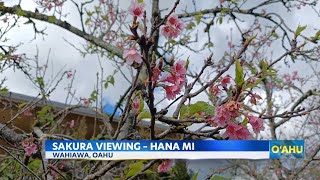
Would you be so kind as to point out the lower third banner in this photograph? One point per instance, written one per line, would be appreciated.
(172, 149)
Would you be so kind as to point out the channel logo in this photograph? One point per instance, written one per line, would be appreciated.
(280, 148)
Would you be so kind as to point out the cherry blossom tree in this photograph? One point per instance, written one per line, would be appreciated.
(182, 75)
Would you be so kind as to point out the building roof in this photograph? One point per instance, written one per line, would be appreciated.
(83, 111)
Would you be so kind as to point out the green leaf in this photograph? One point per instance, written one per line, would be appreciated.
(4, 90)
(245, 121)
(184, 111)
(141, 107)
(45, 114)
(149, 171)
(51, 19)
(251, 67)
(299, 30)
(93, 95)
(209, 44)
(89, 13)
(219, 178)
(275, 35)
(198, 18)
(22, 105)
(187, 62)
(235, 1)
(87, 21)
(248, 41)
(220, 20)
(316, 37)
(195, 176)
(135, 168)
(252, 85)
(199, 106)
(239, 74)
(20, 12)
(190, 26)
(264, 66)
(40, 81)
(145, 114)
(35, 165)
(106, 84)
(140, 1)
(111, 80)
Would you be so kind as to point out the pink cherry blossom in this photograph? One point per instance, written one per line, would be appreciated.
(254, 98)
(166, 165)
(28, 113)
(132, 55)
(175, 80)
(225, 81)
(136, 8)
(70, 124)
(237, 131)
(69, 74)
(295, 76)
(222, 116)
(136, 104)
(156, 74)
(172, 20)
(173, 27)
(29, 147)
(49, 4)
(172, 91)
(256, 123)
(170, 32)
(233, 107)
(214, 90)
(5, 19)
(287, 78)
(86, 101)
(179, 69)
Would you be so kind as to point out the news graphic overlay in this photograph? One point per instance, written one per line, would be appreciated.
(294, 148)
(172, 149)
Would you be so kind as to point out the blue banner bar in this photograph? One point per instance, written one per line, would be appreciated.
(163, 145)
(193, 149)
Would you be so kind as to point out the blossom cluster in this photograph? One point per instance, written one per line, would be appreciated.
(175, 80)
(225, 113)
(166, 165)
(214, 89)
(290, 78)
(136, 104)
(136, 9)
(49, 4)
(132, 56)
(173, 27)
(29, 146)
(225, 117)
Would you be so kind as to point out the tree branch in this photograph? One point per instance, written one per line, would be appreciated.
(63, 24)
(9, 135)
